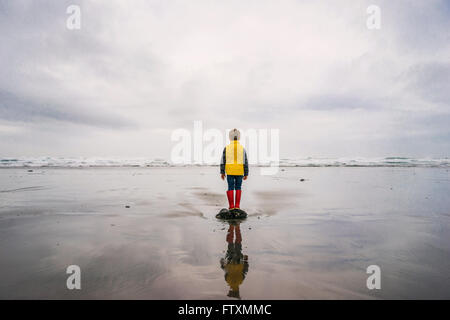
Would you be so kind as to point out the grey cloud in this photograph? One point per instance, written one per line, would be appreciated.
(340, 101)
(431, 81)
(420, 27)
(14, 108)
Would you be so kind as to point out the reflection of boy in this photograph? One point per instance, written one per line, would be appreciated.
(235, 264)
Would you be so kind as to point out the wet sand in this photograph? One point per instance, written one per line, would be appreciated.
(302, 240)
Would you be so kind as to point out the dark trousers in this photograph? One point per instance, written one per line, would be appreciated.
(234, 182)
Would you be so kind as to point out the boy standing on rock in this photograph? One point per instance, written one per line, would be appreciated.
(234, 164)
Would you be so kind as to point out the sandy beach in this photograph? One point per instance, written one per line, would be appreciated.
(151, 233)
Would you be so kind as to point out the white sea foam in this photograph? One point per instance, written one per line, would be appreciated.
(146, 162)
(81, 162)
(366, 162)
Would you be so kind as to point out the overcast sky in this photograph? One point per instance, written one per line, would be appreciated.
(137, 70)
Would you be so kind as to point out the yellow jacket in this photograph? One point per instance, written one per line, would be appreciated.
(234, 275)
(234, 160)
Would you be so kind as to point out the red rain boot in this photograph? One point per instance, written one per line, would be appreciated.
(238, 199)
(230, 199)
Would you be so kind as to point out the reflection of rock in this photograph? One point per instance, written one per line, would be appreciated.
(231, 214)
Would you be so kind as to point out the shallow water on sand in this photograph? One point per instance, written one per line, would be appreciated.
(302, 239)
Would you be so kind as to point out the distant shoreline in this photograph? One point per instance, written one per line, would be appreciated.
(446, 166)
(309, 162)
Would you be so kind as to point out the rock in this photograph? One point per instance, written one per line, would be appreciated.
(127, 207)
(302, 179)
(30, 170)
(231, 214)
